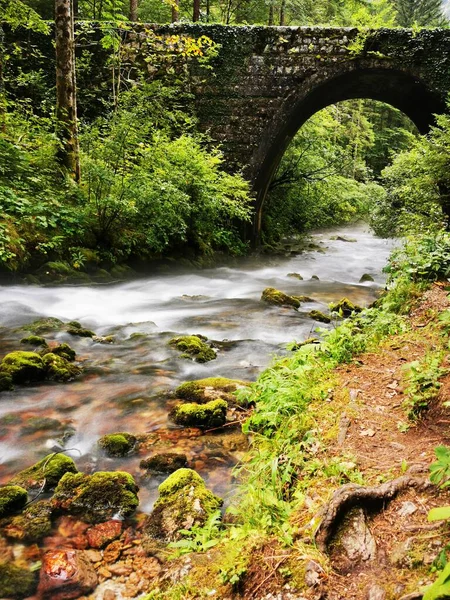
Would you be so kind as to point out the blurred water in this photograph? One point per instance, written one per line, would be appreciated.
(126, 386)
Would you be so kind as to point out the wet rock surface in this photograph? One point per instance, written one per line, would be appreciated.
(66, 574)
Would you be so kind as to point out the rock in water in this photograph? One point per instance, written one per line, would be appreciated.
(97, 498)
(66, 574)
(12, 498)
(205, 416)
(46, 472)
(184, 501)
(274, 296)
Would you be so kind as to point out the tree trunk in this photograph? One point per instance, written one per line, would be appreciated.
(282, 12)
(133, 10)
(2, 83)
(66, 101)
(208, 10)
(270, 22)
(196, 15)
(175, 11)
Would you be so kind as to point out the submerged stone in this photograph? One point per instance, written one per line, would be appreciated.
(194, 346)
(274, 296)
(168, 462)
(44, 325)
(205, 416)
(12, 499)
(317, 315)
(75, 328)
(98, 497)
(47, 471)
(34, 340)
(117, 444)
(66, 574)
(33, 524)
(23, 367)
(211, 388)
(366, 277)
(295, 276)
(184, 502)
(103, 533)
(15, 581)
(345, 307)
(34, 424)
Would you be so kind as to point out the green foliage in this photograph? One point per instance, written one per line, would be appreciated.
(422, 258)
(422, 13)
(199, 538)
(422, 378)
(440, 470)
(326, 175)
(441, 587)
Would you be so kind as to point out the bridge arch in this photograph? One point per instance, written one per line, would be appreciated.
(400, 89)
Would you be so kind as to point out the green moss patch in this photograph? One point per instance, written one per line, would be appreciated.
(44, 325)
(206, 416)
(32, 525)
(211, 388)
(23, 367)
(50, 469)
(15, 581)
(34, 340)
(98, 497)
(345, 307)
(194, 346)
(117, 444)
(184, 502)
(317, 315)
(12, 499)
(65, 351)
(58, 368)
(167, 462)
(274, 296)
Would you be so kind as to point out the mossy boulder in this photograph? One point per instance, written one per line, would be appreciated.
(32, 525)
(96, 498)
(317, 315)
(50, 469)
(44, 325)
(211, 388)
(274, 296)
(365, 278)
(295, 276)
(65, 351)
(184, 502)
(12, 499)
(345, 307)
(15, 581)
(76, 329)
(117, 444)
(58, 368)
(61, 272)
(167, 462)
(6, 382)
(205, 416)
(34, 340)
(194, 346)
(23, 367)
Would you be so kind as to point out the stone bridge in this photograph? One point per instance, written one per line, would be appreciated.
(267, 81)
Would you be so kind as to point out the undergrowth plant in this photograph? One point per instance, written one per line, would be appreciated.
(422, 378)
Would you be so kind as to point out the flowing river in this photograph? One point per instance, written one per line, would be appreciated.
(128, 385)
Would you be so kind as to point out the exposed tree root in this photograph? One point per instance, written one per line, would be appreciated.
(351, 494)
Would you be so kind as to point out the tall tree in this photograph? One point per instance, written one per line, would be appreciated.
(66, 101)
(133, 10)
(175, 10)
(196, 13)
(426, 13)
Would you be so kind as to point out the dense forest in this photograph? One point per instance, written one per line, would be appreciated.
(340, 464)
(134, 154)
